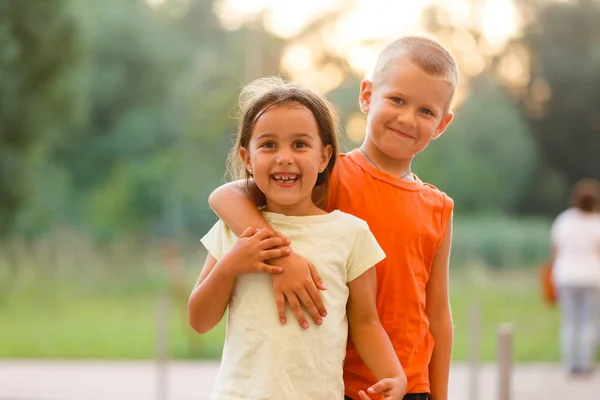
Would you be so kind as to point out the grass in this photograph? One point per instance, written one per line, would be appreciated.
(504, 297)
(97, 327)
(119, 321)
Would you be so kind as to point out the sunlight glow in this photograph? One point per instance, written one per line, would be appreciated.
(155, 3)
(285, 18)
(298, 57)
(499, 19)
(356, 127)
(363, 27)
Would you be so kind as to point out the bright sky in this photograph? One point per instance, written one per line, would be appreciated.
(368, 20)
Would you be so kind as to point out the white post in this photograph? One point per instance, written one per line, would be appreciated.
(505, 339)
(474, 333)
(162, 346)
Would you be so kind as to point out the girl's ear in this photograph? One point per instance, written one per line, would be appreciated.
(326, 157)
(245, 156)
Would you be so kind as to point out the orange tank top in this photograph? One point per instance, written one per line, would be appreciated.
(409, 220)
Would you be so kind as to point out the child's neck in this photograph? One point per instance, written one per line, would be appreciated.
(303, 209)
(391, 166)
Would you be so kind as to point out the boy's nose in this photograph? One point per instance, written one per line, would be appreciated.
(408, 118)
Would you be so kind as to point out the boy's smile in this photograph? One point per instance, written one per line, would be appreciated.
(401, 134)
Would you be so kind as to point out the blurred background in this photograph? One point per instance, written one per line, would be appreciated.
(116, 117)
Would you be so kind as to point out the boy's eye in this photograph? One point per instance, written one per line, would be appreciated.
(426, 111)
(397, 100)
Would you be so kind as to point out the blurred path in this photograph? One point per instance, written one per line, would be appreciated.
(136, 380)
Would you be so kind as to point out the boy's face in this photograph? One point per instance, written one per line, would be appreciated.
(406, 110)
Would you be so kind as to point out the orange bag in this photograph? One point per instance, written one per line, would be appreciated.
(548, 290)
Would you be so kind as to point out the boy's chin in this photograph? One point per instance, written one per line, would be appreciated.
(400, 151)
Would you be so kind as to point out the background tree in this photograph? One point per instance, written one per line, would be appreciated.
(561, 41)
(41, 52)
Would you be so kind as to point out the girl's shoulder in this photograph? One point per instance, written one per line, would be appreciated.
(349, 221)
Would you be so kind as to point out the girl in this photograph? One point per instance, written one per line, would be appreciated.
(287, 143)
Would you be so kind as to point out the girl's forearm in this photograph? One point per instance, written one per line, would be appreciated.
(375, 349)
(237, 207)
(210, 299)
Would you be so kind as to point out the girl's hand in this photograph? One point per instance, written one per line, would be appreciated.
(389, 388)
(252, 249)
(299, 285)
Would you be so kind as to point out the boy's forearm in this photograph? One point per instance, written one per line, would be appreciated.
(236, 207)
(210, 299)
(439, 367)
(375, 349)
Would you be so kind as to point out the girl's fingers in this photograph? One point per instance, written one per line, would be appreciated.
(263, 234)
(248, 232)
(297, 309)
(273, 242)
(310, 305)
(275, 253)
(280, 304)
(315, 296)
(271, 269)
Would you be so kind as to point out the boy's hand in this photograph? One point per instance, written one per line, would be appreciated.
(388, 388)
(253, 248)
(298, 284)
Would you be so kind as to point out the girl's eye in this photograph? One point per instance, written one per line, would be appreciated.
(268, 145)
(397, 100)
(299, 145)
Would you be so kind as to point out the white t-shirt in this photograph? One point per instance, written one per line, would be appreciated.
(576, 236)
(264, 360)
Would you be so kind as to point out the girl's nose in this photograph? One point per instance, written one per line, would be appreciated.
(284, 157)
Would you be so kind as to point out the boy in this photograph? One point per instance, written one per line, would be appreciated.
(407, 105)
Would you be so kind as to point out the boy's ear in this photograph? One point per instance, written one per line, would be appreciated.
(441, 128)
(366, 93)
(245, 156)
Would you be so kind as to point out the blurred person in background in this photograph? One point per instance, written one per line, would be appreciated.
(576, 275)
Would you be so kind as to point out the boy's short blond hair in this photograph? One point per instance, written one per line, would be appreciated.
(427, 54)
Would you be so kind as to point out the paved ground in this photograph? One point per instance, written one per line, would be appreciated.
(115, 380)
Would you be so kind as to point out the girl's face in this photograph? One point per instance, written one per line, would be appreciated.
(285, 156)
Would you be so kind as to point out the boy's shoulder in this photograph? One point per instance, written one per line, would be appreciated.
(355, 182)
(434, 189)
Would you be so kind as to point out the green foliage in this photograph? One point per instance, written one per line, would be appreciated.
(500, 242)
(563, 41)
(155, 92)
(41, 51)
(560, 101)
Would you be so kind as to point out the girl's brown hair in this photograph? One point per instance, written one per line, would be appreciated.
(262, 94)
(586, 195)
